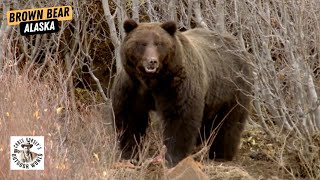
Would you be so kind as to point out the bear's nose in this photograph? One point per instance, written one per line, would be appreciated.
(152, 61)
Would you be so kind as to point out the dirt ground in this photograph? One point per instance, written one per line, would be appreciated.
(253, 161)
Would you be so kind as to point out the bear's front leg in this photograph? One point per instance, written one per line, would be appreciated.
(131, 106)
(182, 122)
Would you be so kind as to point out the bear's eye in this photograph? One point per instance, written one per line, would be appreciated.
(158, 44)
(141, 44)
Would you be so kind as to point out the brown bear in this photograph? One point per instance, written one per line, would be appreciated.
(198, 81)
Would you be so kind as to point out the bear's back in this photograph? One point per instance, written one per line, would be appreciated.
(223, 59)
(219, 52)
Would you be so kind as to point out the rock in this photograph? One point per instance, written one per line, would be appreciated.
(187, 169)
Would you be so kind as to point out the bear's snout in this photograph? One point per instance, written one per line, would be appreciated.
(151, 65)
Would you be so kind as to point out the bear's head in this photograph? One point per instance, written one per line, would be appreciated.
(148, 47)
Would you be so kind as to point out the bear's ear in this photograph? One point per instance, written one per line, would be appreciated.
(170, 27)
(129, 25)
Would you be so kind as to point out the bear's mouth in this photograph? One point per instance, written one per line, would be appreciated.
(150, 69)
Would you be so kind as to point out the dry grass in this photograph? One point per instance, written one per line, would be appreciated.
(79, 143)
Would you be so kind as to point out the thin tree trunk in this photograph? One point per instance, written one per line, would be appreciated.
(313, 98)
(3, 31)
(172, 10)
(198, 14)
(113, 33)
(135, 10)
(220, 18)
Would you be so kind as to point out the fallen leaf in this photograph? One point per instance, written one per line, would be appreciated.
(36, 114)
(96, 156)
(59, 110)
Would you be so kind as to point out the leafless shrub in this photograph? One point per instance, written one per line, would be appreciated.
(77, 143)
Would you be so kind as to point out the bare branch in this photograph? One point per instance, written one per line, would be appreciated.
(172, 10)
(198, 15)
(190, 5)
(113, 33)
(135, 10)
(220, 15)
(313, 98)
(3, 31)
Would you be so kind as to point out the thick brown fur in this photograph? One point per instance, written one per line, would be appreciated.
(203, 80)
